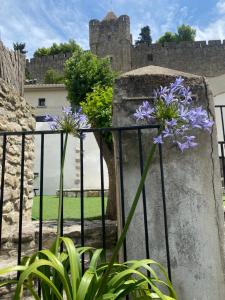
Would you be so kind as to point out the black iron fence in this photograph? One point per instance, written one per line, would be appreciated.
(220, 110)
(118, 133)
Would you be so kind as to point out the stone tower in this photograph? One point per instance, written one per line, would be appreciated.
(111, 37)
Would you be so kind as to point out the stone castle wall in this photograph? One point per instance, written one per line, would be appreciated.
(12, 67)
(109, 37)
(192, 57)
(112, 38)
(38, 66)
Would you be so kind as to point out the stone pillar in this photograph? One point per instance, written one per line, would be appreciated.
(192, 187)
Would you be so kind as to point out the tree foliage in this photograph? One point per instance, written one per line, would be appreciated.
(70, 46)
(167, 37)
(83, 71)
(52, 76)
(20, 47)
(98, 106)
(184, 33)
(144, 36)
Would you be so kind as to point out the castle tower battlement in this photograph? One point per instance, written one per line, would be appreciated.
(111, 37)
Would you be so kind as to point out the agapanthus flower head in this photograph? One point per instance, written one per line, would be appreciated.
(70, 122)
(172, 109)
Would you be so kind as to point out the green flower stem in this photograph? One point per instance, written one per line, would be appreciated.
(61, 194)
(130, 216)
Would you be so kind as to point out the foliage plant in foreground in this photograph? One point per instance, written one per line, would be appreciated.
(61, 272)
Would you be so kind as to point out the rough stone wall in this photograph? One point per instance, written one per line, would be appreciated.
(38, 66)
(15, 115)
(12, 67)
(192, 57)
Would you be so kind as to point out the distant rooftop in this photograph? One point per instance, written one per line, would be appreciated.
(110, 16)
(43, 86)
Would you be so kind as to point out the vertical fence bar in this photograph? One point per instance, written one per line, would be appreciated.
(165, 213)
(41, 202)
(122, 188)
(102, 192)
(21, 199)
(2, 184)
(223, 162)
(143, 195)
(221, 113)
(41, 192)
(62, 211)
(82, 192)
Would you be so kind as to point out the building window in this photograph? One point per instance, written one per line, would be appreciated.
(109, 37)
(111, 59)
(150, 57)
(41, 102)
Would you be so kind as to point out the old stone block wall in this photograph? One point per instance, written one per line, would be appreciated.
(38, 66)
(108, 39)
(15, 115)
(112, 38)
(192, 57)
(12, 68)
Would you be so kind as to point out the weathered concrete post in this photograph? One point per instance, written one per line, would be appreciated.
(192, 186)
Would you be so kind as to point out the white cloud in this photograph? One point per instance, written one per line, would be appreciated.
(215, 29)
(41, 23)
(220, 5)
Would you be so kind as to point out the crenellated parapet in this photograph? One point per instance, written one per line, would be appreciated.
(112, 37)
(38, 66)
(198, 57)
(185, 44)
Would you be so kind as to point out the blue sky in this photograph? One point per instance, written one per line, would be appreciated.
(39, 23)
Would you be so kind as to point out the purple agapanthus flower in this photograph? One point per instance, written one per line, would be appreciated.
(172, 109)
(69, 122)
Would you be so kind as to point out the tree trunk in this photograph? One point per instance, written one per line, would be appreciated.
(108, 155)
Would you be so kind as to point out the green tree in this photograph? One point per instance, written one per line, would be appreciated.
(167, 37)
(42, 52)
(144, 36)
(70, 46)
(186, 33)
(83, 71)
(52, 76)
(20, 47)
(89, 82)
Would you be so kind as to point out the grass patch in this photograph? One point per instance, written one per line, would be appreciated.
(92, 208)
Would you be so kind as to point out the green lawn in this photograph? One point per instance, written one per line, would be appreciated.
(92, 207)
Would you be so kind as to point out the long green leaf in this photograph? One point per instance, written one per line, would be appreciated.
(33, 269)
(75, 267)
(85, 285)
